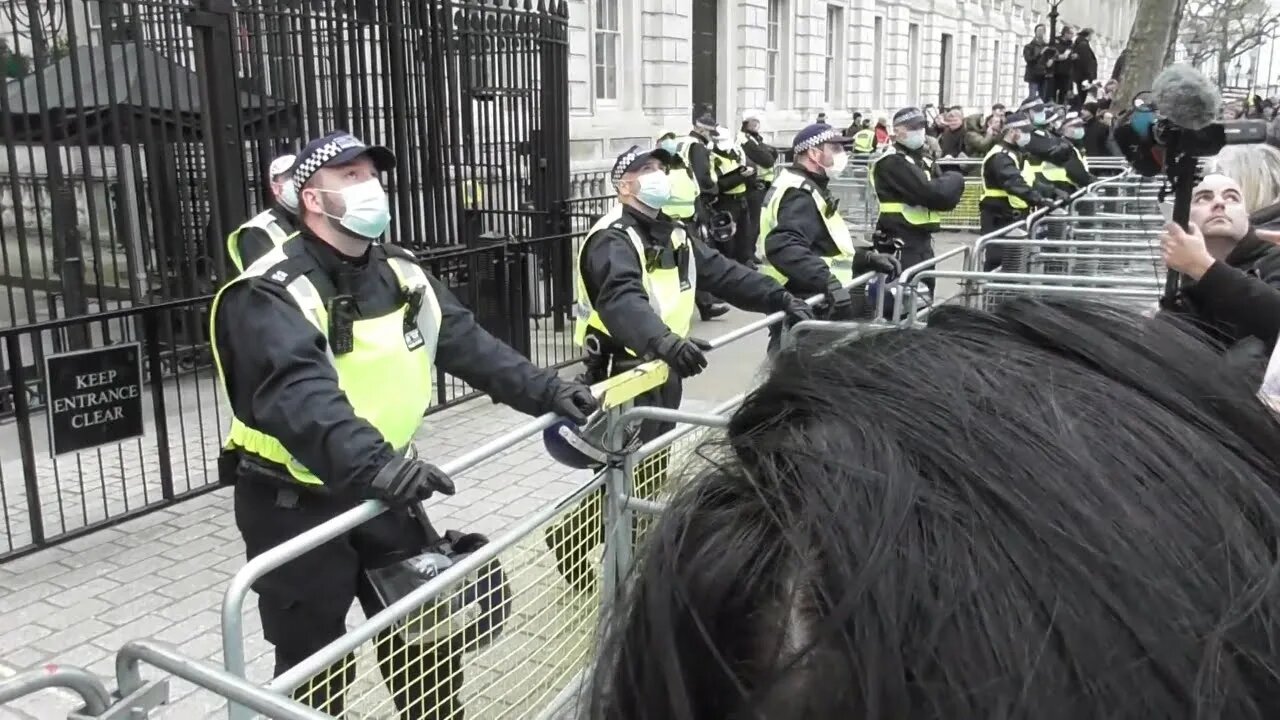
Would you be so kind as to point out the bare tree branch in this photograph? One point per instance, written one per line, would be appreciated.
(1226, 29)
(48, 22)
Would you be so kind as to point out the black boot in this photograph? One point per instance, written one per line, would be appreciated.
(712, 310)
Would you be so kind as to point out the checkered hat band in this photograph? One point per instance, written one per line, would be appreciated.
(823, 137)
(315, 161)
(624, 162)
(1014, 125)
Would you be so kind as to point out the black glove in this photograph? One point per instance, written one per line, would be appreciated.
(839, 304)
(573, 401)
(1037, 200)
(1062, 195)
(684, 355)
(882, 243)
(865, 259)
(403, 481)
(797, 310)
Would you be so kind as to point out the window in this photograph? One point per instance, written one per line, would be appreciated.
(973, 71)
(945, 65)
(607, 40)
(996, 96)
(913, 64)
(877, 63)
(773, 52)
(835, 43)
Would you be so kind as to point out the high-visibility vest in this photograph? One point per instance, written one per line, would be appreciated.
(725, 164)
(1014, 201)
(913, 214)
(765, 174)
(671, 290)
(841, 263)
(265, 221)
(1057, 174)
(864, 141)
(386, 378)
(684, 193)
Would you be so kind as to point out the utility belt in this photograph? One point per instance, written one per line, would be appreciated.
(605, 358)
(233, 463)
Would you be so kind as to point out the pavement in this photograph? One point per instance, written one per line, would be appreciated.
(162, 576)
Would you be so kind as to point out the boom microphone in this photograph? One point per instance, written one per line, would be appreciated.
(1185, 97)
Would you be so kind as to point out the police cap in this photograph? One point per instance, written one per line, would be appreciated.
(1017, 121)
(910, 117)
(634, 159)
(811, 136)
(1032, 104)
(336, 149)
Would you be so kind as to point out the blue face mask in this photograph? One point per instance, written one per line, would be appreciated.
(654, 190)
(1075, 133)
(1024, 139)
(669, 145)
(1039, 118)
(367, 212)
(914, 140)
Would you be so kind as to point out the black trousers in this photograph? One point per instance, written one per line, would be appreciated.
(916, 250)
(755, 205)
(573, 538)
(304, 603)
(993, 219)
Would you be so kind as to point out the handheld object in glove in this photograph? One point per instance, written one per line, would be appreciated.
(685, 355)
(574, 401)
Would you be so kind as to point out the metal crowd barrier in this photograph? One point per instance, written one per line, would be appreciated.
(860, 208)
(566, 561)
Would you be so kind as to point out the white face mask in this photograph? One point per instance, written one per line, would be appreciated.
(367, 213)
(654, 189)
(289, 196)
(839, 161)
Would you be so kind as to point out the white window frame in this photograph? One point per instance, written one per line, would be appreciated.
(913, 64)
(775, 50)
(836, 75)
(995, 76)
(975, 51)
(877, 62)
(613, 34)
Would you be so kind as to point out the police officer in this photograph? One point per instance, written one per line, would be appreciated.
(764, 158)
(912, 192)
(636, 276)
(1006, 195)
(804, 241)
(1042, 146)
(864, 140)
(327, 347)
(1074, 173)
(683, 204)
(271, 227)
(734, 177)
(695, 152)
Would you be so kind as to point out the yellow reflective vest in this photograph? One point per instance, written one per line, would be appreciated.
(671, 290)
(913, 214)
(386, 377)
(765, 174)
(684, 193)
(864, 141)
(841, 263)
(1057, 174)
(1014, 201)
(725, 163)
(265, 221)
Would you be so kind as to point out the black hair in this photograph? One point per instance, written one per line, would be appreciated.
(1051, 511)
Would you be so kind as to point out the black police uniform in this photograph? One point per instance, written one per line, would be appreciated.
(908, 176)
(255, 242)
(704, 175)
(613, 278)
(1002, 171)
(280, 381)
(764, 157)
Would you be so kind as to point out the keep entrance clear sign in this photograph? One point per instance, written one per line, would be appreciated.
(94, 397)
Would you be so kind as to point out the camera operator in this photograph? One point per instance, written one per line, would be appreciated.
(1234, 289)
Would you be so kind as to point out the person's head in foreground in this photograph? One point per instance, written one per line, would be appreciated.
(1219, 211)
(340, 194)
(1049, 512)
(1255, 168)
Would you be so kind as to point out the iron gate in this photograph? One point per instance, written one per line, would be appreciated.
(137, 134)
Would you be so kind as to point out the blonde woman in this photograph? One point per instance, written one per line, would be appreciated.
(1255, 167)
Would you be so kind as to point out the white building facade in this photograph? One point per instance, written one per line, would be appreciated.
(637, 67)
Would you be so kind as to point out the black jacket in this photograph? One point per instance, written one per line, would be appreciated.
(1085, 66)
(1239, 297)
(796, 246)
(1001, 171)
(1063, 67)
(614, 280)
(1076, 171)
(703, 174)
(280, 381)
(1098, 141)
(901, 176)
(758, 152)
(1034, 58)
(255, 242)
(1268, 218)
